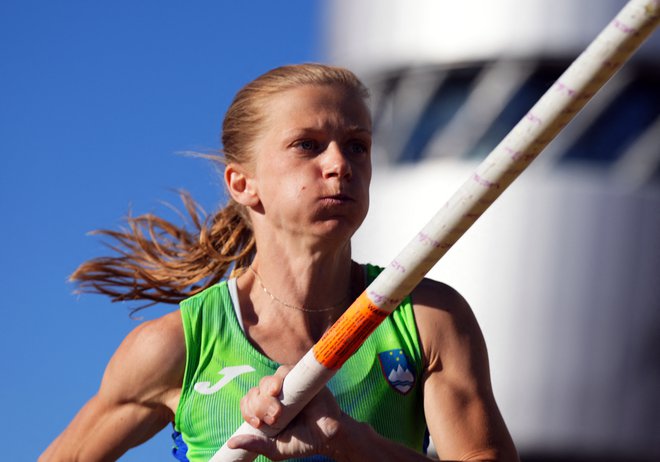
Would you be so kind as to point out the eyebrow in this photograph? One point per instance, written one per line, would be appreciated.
(302, 130)
(359, 129)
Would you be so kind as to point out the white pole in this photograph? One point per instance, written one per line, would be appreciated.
(576, 86)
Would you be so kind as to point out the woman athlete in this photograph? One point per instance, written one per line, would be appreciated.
(296, 145)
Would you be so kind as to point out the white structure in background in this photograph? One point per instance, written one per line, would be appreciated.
(563, 272)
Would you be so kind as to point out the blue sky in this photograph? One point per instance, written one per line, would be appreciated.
(97, 101)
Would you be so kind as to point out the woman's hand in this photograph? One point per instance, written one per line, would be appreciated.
(311, 432)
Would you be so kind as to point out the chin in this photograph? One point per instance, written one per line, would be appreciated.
(340, 231)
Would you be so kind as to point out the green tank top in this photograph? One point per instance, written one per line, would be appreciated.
(379, 384)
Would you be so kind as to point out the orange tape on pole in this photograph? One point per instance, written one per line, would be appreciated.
(348, 332)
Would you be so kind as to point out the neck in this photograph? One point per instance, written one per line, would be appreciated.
(301, 271)
(315, 282)
(305, 309)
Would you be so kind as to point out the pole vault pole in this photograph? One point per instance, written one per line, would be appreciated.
(576, 86)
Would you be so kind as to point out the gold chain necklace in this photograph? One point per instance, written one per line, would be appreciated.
(299, 308)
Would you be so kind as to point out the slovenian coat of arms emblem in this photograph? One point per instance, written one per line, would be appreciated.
(397, 370)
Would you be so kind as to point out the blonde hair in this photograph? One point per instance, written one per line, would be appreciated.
(159, 262)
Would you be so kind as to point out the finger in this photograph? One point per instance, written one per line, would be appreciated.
(247, 408)
(258, 407)
(271, 385)
(324, 411)
(257, 444)
(282, 371)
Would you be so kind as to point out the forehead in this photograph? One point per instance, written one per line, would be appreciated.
(328, 106)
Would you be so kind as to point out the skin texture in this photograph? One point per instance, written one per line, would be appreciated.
(306, 188)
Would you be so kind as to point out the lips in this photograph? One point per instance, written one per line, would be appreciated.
(341, 197)
(337, 199)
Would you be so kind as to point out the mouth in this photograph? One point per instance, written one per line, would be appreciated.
(337, 199)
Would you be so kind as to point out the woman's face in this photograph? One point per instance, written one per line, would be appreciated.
(311, 165)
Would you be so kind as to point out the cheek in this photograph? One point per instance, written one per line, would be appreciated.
(365, 176)
(298, 183)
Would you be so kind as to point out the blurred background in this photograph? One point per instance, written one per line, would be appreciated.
(563, 272)
(99, 103)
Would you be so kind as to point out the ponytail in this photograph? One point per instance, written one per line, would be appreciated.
(159, 262)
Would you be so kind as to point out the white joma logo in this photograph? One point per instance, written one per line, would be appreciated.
(228, 373)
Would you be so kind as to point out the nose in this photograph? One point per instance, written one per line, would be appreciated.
(335, 163)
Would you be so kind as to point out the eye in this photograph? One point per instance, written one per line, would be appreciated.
(307, 145)
(358, 147)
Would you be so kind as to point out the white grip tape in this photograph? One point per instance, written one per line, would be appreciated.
(577, 85)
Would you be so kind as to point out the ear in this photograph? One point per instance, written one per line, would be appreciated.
(240, 185)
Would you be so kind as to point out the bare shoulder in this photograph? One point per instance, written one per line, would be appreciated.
(437, 302)
(160, 337)
(445, 322)
(148, 366)
(438, 295)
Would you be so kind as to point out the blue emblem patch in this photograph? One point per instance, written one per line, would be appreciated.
(397, 370)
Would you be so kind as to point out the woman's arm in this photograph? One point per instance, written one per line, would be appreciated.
(136, 399)
(461, 413)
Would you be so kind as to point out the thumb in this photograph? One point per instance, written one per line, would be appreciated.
(258, 444)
